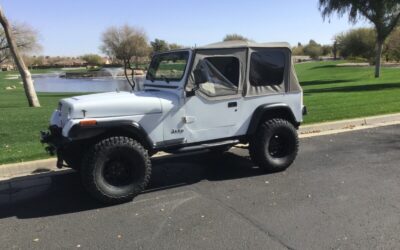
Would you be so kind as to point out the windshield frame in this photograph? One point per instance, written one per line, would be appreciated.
(151, 78)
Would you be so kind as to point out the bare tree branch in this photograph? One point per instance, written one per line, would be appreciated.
(125, 43)
(23, 70)
(26, 39)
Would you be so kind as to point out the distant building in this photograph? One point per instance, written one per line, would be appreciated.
(7, 67)
(70, 63)
(106, 60)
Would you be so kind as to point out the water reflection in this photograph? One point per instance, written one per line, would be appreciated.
(54, 83)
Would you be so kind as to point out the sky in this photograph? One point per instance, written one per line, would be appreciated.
(73, 28)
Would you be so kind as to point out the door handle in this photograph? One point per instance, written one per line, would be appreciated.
(232, 104)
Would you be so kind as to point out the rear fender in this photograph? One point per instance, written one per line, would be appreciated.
(269, 111)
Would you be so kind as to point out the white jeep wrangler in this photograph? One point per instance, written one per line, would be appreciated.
(211, 97)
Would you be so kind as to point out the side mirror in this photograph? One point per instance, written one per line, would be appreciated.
(200, 76)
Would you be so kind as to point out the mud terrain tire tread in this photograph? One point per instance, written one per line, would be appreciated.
(93, 161)
(259, 144)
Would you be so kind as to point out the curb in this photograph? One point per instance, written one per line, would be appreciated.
(9, 171)
(366, 122)
(13, 170)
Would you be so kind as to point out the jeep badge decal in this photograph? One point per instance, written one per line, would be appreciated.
(176, 131)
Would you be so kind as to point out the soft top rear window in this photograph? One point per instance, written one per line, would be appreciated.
(267, 68)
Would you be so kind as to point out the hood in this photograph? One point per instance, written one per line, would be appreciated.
(111, 104)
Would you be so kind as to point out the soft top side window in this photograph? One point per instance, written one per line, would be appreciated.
(267, 68)
(218, 76)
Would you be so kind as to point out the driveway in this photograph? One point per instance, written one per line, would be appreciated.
(343, 192)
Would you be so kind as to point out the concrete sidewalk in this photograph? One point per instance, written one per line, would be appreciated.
(9, 171)
(348, 125)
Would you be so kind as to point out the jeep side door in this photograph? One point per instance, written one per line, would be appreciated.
(213, 109)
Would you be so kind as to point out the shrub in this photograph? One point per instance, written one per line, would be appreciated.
(357, 43)
(313, 49)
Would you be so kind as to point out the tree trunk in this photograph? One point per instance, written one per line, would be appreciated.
(378, 59)
(133, 83)
(25, 74)
(126, 72)
(335, 51)
(127, 66)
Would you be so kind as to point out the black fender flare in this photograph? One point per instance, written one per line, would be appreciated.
(262, 110)
(132, 128)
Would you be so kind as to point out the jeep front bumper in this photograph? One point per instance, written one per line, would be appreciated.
(55, 142)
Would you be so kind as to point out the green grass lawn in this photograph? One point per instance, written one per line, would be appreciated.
(330, 93)
(19, 124)
(334, 93)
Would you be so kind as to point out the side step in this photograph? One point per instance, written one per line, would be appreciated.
(205, 146)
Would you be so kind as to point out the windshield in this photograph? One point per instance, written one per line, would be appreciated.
(168, 66)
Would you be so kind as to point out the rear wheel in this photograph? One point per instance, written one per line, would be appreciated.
(116, 169)
(275, 145)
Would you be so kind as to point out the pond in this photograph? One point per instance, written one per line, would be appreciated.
(53, 83)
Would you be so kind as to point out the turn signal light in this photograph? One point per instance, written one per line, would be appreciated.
(88, 122)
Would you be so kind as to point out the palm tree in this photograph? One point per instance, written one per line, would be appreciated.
(384, 14)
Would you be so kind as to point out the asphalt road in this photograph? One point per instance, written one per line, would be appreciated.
(341, 193)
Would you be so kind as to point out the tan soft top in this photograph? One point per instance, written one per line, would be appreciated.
(242, 50)
(245, 44)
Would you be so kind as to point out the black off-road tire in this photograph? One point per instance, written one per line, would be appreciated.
(73, 163)
(275, 145)
(73, 156)
(116, 170)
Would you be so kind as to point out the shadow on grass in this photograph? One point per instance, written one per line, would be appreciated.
(57, 193)
(360, 88)
(325, 66)
(321, 82)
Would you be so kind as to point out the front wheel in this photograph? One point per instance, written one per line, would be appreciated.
(275, 145)
(72, 155)
(116, 169)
